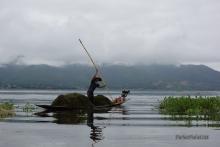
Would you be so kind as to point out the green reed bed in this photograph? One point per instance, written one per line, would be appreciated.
(6, 110)
(202, 107)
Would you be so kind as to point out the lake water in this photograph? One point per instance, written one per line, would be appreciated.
(137, 123)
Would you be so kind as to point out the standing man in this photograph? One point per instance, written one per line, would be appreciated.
(95, 82)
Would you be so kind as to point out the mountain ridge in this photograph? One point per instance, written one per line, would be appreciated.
(77, 76)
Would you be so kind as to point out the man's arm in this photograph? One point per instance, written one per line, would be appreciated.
(101, 84)
(96, 74)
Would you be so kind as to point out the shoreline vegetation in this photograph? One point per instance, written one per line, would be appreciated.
(191, 108)
(6, 110)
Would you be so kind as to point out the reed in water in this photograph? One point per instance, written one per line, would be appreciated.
(6, 110)
(204, 107)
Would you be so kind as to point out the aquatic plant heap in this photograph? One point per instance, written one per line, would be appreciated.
(6, 110)
(76, 100)
(190, 105)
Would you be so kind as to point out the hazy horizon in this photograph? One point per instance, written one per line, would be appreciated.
(18, 61)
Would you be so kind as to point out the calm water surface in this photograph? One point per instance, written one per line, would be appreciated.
(135, 123)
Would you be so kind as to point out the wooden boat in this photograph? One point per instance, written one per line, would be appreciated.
(64, 108)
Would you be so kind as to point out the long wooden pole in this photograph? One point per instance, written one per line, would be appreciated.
(96, 68)
(90, 57)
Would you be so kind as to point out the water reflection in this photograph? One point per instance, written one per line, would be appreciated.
(80, 117)
(96, 133)
(70, 117)
(208, 120)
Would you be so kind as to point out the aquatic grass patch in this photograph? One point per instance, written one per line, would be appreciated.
(185, 106)
(29, 107)
(7, 106)
(6, 110)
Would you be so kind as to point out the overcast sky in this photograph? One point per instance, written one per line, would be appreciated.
(114, 31)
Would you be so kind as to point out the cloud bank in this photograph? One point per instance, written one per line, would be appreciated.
(116, 31)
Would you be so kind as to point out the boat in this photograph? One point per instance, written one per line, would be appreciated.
(116, 102)
(64, 108)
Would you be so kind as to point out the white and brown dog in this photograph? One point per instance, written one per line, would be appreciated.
(121, 99)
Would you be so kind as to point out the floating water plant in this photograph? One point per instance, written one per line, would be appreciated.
(207, 108)
(6, 110)
(29, 107)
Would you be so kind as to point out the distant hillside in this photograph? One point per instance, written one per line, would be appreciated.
(156, 77)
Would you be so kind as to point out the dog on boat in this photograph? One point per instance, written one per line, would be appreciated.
(121, 99)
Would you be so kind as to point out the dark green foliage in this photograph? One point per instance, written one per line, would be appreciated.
(201, 107)
(101, 100)
(76, 100)
(72, 100)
